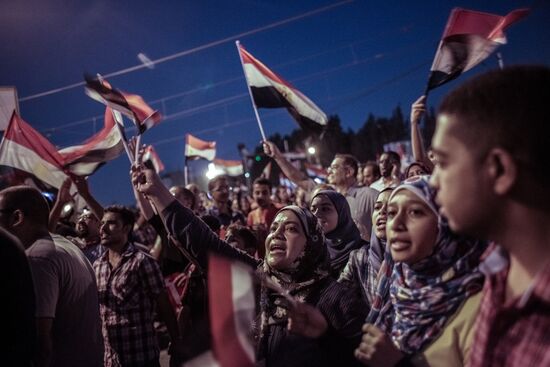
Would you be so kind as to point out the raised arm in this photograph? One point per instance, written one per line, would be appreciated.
(63, 197)
(143, 204)
(191, 232)
(418, 109)
(293, 173)
(84, 191)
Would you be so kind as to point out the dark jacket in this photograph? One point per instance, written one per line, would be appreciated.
(343, 310)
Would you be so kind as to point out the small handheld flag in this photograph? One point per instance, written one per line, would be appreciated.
(131, 105)
(469, 38)
(269, 90)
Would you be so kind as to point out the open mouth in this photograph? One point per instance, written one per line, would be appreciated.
(399, 245)
(277, 248)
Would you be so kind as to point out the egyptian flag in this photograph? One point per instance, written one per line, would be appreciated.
(271, 91)
(128, 104)
(196, 148)
(26, 157)
(469, 38)
(229, 167)
(314, 170)
(152, 156)
(232, 311)
(106, 145)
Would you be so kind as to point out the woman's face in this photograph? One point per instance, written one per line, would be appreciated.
(326, 213)
(282, 194)
(416, 170)
(286, 241)
(411, 228)
(379, 214)
(245, 204)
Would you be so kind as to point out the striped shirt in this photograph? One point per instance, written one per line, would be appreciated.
(360, 274)
(127, 297)
(515, 333)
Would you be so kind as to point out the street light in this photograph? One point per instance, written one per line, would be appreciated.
(311, 150)
(213, 171)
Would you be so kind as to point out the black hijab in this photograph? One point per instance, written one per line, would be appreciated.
(345, 237)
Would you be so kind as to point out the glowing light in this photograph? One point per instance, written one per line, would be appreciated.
(213, 171)
(311, 150)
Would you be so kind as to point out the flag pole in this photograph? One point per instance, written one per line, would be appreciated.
(250, 93)
(120, 126)
(500, 61)
(138, 143)
(185, 172)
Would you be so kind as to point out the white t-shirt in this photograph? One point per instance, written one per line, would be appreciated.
(379, 185)
(66, 291)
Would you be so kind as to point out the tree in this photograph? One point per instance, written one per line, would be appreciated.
(365, 144)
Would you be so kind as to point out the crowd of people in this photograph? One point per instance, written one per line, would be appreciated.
(443, 263)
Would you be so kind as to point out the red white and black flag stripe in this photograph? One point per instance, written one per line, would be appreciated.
(269, 90)
(469, 38)
(86, 158)
(229, 167)
(314, 170)
(29, 158)
(152, 156)
(232, 310)
(196, 148)
(128, 104)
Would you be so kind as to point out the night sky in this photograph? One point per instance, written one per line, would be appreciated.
(351, 58)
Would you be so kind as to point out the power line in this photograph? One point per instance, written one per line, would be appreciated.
(216, 128)
(356, 96)
(195, 49)
(232, 99)
(348, 99)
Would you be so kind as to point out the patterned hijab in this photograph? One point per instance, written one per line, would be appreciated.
(413, 303)
(376, 257)
(377, 245)
(313, 267)
(346, 236)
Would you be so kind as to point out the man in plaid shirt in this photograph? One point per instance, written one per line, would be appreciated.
(130, 286)
(493, 182)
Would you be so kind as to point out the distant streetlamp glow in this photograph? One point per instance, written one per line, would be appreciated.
(311, 150)
(213, 171)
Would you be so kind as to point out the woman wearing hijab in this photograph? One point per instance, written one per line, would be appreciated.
(417, 169)
(428, 286)
(363, 264)
(342, 235)
(297, 260)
